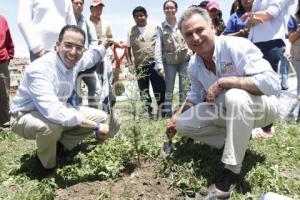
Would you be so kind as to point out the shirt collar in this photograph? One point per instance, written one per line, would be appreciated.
(81, 20)
(167, 24)
(217, 47)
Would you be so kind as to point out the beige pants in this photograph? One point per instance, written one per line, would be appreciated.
(34, 126)
(229, 122)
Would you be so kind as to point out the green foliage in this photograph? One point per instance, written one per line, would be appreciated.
(270, 164)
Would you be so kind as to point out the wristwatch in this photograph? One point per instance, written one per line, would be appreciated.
(97, 127)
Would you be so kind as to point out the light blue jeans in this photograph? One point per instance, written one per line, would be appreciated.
(284, 70)
(170, 76)
(296, 64)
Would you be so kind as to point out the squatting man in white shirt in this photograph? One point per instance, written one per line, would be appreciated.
(39, 110)
(233, 90)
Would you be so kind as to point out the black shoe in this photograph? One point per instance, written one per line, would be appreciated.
(40, 171)
(284, 88)
(61, 151)
(226, 181)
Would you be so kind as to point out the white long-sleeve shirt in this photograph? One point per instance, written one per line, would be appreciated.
(47, 84)
(233, 56)
(40, 21)
(272, 29)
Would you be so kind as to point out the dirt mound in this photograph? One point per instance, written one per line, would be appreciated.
(136, 183)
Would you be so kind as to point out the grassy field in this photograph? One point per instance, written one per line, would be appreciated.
(271, 164)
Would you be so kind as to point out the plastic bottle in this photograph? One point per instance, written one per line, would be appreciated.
(274, 196)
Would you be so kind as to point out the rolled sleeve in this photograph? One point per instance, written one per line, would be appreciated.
(247, 56)
(277, 6)
(267, 83)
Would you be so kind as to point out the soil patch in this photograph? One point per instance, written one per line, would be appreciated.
(136, 183)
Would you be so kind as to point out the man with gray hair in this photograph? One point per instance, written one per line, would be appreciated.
(233, 90)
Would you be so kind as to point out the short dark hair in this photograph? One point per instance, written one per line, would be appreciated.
(203, 4)
(73, 28)
(139, 9)
(174, 2)
(81, 0)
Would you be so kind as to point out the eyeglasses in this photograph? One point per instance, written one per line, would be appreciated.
(78, 48)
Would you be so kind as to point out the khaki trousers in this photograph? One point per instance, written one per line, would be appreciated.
(229, 122)
(4, 93)
(34, 126)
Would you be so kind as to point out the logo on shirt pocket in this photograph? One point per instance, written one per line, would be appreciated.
(228, 68)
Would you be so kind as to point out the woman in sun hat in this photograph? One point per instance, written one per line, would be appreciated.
(215, 14)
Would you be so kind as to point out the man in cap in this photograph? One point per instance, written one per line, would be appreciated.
(104, 69)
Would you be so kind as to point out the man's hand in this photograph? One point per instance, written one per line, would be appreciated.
(171, 128)
(161, 72)
(254, 21)
(40, 53)
(103, 132)
(251, 19)
(213, 92)
(109, 42)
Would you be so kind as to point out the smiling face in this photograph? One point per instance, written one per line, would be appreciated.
(199, 35)
(70, 49)
(170, 9)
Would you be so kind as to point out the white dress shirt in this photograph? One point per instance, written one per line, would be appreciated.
(272, 29)
(47, 84)
(233, 56)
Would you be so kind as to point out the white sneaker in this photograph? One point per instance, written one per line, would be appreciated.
(258, 133)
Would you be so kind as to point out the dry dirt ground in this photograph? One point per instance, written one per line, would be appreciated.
(137, 183)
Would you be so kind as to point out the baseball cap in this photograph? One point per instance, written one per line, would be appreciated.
(212, 5)
(96, 2)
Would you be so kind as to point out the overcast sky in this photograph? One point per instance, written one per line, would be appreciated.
(117, 12)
